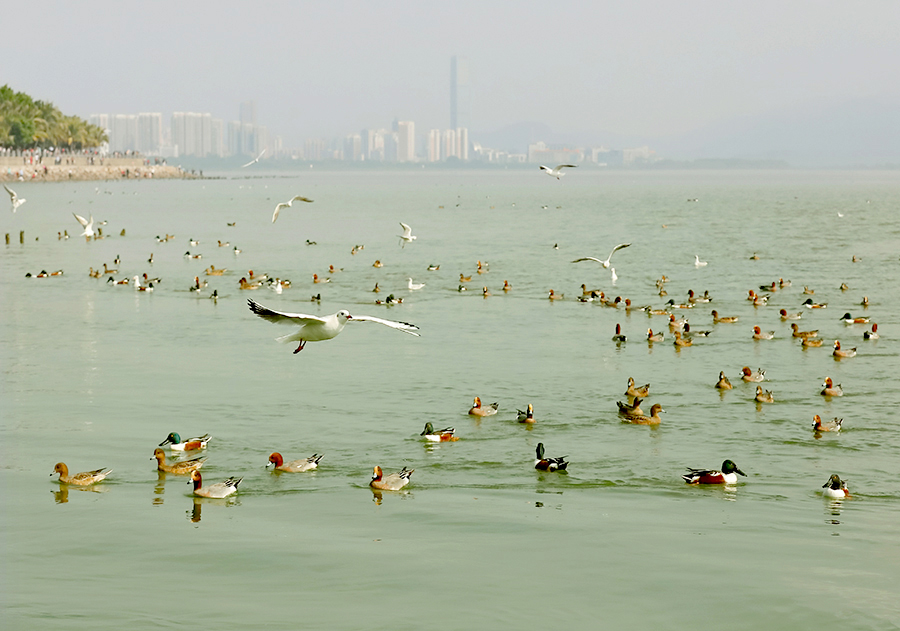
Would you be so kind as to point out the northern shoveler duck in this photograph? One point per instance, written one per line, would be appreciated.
(811, 341)
(833, 425)
(673, 305)
(632, 391)
(836, 488)
(477, 410)
(618, 337)
(377, 263)
(689, 332)
(188, 255)
(843, 352)
(849, 319)
(749, 375)
(630, 410)
(392, 481)
(526, 415)
(654, 337)
(873, 334)
(464, 279)
(790, 316)
(79, 479)
(809, 304)
(555, 296)
(183, 467)
(294, 466)
(764, 396)
(441, 436)
(728, 475)
(771, 287)
(506, 285)
(217, 490)
(194, 243)
(548, 464)
(653, 419)
(759, 334)
(831, 390)
(802, 334)
(191, 444)
(717, 319)
(682, 341)
(723, 383)
(433, 268)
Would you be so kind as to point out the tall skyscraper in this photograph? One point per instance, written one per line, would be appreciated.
(460, 105)
(406, 141)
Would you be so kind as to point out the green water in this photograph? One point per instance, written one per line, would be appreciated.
(96, 375)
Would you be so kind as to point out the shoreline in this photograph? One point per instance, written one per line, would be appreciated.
(112, 170)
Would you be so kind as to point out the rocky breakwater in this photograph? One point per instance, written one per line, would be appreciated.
(13, 170)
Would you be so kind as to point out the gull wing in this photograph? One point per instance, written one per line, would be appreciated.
(81, 220)
(400, 326)
(588, 258)
(278, 210)
(407, 231)
(560, 166)
(281, 317)
(12, 193)
(301, 199)
(619, 247)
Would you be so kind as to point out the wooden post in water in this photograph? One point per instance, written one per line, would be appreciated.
(7, 238)
(21, 236)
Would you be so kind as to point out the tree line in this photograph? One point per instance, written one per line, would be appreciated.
(29, 124)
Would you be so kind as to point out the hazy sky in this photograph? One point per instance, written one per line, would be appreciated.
(636, 67)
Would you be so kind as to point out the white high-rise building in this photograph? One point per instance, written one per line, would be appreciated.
(462, 143)
(450, 144)
(434, 145)
(406, 141)
(149, 133)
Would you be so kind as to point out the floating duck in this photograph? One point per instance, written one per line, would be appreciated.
(392, 481)
(764, 396)
(632, 409)
(183, 467)
(811, 341)
(218, 490)
(548, 464)
(631, 391)
(833, 425)
(295, 466)
(790, 316)
(441, 436)
(653, 419)
(555, 296)
(654, 337)
(831, 390)
(723, 383)
(726, 319)
(839, 352)
(526, 415)
(618, 338)
(748, 375)
(728, 475)
(848, 319)
(802, 334)
(191, 444)
(477, 410)
(759, 334)
(680, 340)
(85, 478)
(809, 304)
(835, 488)
(873, 334)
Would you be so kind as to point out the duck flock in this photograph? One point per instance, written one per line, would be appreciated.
(668, 324)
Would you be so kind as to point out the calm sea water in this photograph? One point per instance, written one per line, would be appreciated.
(96, 375)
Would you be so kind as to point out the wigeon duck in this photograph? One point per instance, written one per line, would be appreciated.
(728, 475)
(376, 289)
(79, 479)
(632, 391)
(844, 287)
(662, 292)
(629, 307)
(147, 280)
(654, 337)
(191, 444)
(802, 334)
(392, 481)
(441, 436)
(855, 259)
(723, 383)
(835, 488)
(848, 319)
(224, 244)
(526, 415)
(771, 287)
(482, 267)
(212, 271)
(833, 425)
(294, 466)
(682, 341)
(717, 319)
(865, 302)
(751, 295)
(217, 490)
(839, 352)
(692, 298)
(790, 316)
(150, 260)
(759, 334)
(477, 410)
(676, 324)
(107, 270)
(760, 301)
(464, 279)
(377, 263)
(548, 464)
(618, 338)
(809, 304)
(334, 270)
(506, 285)
(316, 279)
(632, 410)
(94, 273)
(831, 390)
(811, 341)
(245, 284)
(749, 375)
(783, 283)
(653, 419)
(587, 292)
(183, 467)
(808, 291)
(873, 334)
(555, 296)
(657, 312)
(764, 396)
(484, 292)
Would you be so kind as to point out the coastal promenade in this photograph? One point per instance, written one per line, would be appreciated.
(17, 168)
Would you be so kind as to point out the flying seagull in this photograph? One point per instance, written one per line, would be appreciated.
(605, 263)
(557, 172)
(88, 226)
(317, 329)
(407, 236)
(15, 199)
(287, 204)
(254, 160)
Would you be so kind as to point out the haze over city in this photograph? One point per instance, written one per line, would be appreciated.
(808, 82)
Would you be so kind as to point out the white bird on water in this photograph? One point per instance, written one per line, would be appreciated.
(414, 286)
(15, 199)
(605, 263)
(698, 262)
(407, 236)
(88, 226)
(287, 204)
(558, 171)
(317, 329)
(254, 160)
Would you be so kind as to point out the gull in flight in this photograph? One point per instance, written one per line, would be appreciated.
(698, 262)
(88, 226)
(605, 263)
(407, 236)
(287, 204)
(254, 160)
(15, 199)
(557, 172)
(317, 329)
(414, 286)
